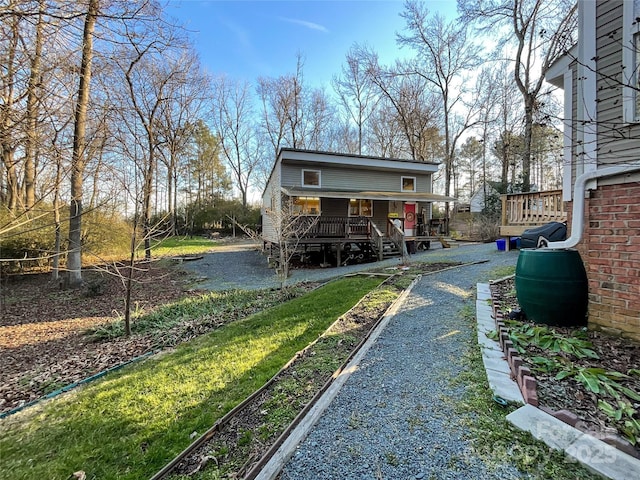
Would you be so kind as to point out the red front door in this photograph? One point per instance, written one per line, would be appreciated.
(409, 219)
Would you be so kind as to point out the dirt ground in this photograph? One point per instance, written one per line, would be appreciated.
(42, 345)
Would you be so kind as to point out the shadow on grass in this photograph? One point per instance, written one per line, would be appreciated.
(132, 423)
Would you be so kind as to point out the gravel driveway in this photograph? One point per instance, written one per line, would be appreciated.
(242, 265)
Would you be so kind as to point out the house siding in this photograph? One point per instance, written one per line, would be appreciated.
(616, 140)
(338, 207)
(272, 190)
(380, 212)
(342, 178)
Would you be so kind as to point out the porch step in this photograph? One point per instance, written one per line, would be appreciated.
(447, 242)
(389, 249)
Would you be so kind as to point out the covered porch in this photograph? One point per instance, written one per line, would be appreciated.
(371, 223)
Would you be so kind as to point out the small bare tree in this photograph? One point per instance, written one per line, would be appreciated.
(290, 228)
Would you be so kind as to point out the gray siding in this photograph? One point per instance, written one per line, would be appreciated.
(380, 211)
(342, 178)
(616, 141)
(272, 191)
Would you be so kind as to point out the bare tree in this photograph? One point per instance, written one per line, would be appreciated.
(446, 55)
(416, 111)
(320, 117)
(356, 93)
(78, 160)
(289, 228)
(385, 138)
(152, 62)
(32, 110)
(540, 31)
(13, 64)
(282, 109)
(177, 124)
(232, 117)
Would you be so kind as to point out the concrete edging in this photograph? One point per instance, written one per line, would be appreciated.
(273, 467)
(593, 453)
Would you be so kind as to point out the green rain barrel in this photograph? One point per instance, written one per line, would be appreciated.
(551, 286)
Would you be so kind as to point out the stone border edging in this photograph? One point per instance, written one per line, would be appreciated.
(606, 455)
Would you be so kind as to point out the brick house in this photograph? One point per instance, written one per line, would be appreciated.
(600, 79)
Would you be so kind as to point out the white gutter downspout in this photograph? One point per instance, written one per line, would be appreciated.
(577, 220)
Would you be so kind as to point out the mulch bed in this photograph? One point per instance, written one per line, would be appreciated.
(615, 354)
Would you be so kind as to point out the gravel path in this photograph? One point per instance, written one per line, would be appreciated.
(391, 419)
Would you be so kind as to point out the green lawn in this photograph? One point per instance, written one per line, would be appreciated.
(131, 423)
(171, 246)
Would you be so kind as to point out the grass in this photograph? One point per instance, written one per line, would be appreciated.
(175, 246)
(132, 423)
(501, 272)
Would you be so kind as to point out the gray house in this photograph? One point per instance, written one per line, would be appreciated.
(339, 204)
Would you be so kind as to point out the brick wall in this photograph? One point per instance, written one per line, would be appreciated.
(610, 249)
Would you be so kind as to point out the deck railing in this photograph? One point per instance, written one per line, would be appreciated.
(338, 227)
(521, 211)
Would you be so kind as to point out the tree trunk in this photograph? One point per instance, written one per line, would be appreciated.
(55, 269)
(13, 188)
(78, 160)
(32, 115)
(147, 191)
(528, 134)
(7, 140)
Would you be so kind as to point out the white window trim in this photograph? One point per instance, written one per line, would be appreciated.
(587, 108)
(629, 28)
(415, 184)
(567, 181)
(319, 172)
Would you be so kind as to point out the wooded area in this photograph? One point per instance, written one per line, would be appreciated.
(112, 131)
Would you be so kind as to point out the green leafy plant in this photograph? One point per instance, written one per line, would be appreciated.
(600, 381)
(523, 335)
(623, 414)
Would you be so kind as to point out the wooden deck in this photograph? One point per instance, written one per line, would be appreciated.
(338, 232)
(521, 211)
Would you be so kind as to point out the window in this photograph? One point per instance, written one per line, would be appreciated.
(311, 178)
(408, 184)
(306, 206)
(360, 208)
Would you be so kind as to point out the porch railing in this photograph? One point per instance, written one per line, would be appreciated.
(521, 211)
(397, 237)
(338, 227)
(378, 238)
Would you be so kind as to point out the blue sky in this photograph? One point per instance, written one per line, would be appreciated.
(251, 39)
